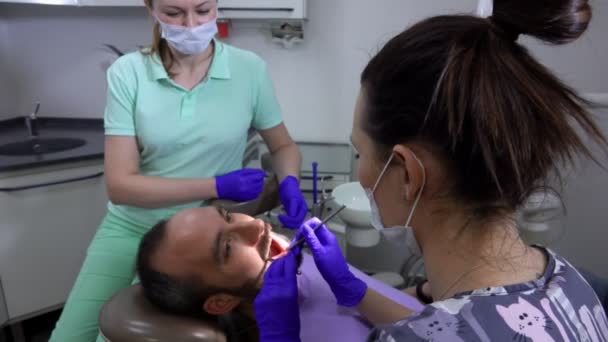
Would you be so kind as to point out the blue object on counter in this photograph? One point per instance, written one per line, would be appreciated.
(314, 182)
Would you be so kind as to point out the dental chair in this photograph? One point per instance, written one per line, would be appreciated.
(129, 317)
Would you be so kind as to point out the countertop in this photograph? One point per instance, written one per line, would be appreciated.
(91, 130)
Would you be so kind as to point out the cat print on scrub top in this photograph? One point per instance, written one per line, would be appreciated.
(525, 320)
(558, 306)
(439, 327)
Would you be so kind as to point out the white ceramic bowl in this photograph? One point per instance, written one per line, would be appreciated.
(357, 211)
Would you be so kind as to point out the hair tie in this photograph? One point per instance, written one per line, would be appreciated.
(509, 31)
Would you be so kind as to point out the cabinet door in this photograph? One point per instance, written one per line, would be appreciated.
(44, 234)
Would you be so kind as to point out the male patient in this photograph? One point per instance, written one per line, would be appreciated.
(206, 261)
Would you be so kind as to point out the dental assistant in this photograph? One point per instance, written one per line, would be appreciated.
(456, 124)
(176, 124)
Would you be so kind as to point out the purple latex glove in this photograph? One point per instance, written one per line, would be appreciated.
(276, 307)
(293, 201)
(240, 185)
(348, 289)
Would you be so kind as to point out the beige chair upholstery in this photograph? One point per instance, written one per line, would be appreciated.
(129, 317)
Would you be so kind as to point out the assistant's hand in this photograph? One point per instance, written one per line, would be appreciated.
(348, 289)
(293, 201)
(240, 185)
(276, 307)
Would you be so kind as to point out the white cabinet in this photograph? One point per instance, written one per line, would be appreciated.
(262, 9)
(98, 3)
(47, 219)
(228, 9)
(43, 2)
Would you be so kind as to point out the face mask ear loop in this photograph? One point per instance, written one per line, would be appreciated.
(382, 172)
(409, 218)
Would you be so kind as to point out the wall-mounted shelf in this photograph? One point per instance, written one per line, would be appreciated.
(600, 99)
(228, 9)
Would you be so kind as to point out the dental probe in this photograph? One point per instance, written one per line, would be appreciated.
(327, 219)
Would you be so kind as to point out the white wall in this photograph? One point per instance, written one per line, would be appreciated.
(585, 236)
(58, 57)
(584, 65)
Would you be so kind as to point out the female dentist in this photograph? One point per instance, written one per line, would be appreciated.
(456, 125)
(176, 122)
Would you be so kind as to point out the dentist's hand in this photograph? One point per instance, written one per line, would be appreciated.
(276, 306)
(240, 185)
(293, 201)
(348, 289)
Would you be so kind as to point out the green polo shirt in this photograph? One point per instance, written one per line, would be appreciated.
(181, 133)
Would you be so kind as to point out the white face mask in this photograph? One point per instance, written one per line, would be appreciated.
(189, 41)
(396, 233)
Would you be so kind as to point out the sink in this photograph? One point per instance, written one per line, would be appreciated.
(356, 215)
(37, 146)
(357, 211)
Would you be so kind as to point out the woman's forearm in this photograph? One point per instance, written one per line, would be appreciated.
(157, 192)
(286, 161)
(378, 309)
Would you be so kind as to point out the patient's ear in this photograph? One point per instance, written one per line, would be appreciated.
(221, 304)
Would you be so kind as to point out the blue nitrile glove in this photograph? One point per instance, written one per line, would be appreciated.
(348, 289)
(240, 185)
(293, 201)
(276, 307)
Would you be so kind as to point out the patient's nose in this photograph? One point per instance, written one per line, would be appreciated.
(250, 231)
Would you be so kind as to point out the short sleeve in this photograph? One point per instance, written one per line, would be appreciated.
(120, 103)
(267, 112)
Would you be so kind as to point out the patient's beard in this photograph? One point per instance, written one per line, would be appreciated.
(264, 244)
(248, 291)
(251, 288)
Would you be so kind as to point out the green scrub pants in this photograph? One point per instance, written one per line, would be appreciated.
(109, 266)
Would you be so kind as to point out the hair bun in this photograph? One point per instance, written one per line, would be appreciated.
(553, 21)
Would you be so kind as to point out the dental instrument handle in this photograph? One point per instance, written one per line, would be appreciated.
(315, 165)
(327, 219)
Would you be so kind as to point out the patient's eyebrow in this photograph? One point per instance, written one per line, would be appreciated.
(215, 249)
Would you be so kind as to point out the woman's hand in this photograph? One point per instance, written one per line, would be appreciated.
(240, 185)
(276, 307)
(293, 201)
(348, 289)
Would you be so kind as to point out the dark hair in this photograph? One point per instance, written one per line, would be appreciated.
(159, 45)
(463, 86)
(169, 293)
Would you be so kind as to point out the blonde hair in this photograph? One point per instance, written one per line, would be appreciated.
(160, 46)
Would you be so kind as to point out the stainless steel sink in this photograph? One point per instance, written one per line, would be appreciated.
(37, 146)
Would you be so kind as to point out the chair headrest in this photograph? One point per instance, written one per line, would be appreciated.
(129, 317)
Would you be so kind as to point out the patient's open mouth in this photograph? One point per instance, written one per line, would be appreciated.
(275, 249)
